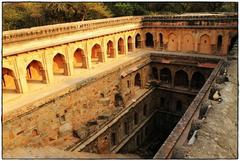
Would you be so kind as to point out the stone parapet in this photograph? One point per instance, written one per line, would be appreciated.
(42, 31)
(215, 20)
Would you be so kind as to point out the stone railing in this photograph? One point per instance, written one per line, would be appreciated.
(194, 16)
(180, 133)
(42, 31)
(215, 20)
(163, 20)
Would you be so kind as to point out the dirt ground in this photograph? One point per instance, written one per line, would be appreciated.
(54, 153)
(218, 136)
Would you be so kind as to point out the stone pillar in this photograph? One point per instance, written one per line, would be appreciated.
(125, 42)
(23, 82)
(155, 41)
(88, 54)
(173, 76)
(104, 50)
(179, 42)
(18, 85)
(196, 42)
(48, 63)
(225, 44)
(115, 45)
(69, 59)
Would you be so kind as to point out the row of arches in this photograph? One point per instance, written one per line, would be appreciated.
(180, 78)
(187, 43)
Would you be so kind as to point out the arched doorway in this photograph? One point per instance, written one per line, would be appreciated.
(161, 40)
(165, 76)
(135, 118)
(120, 46)
(96, 55)
(149, 40)
(181, 79)
(35, 72)
(155, 73)
(59, 65)
(9, 83)
(130, 47)
(219, 42)
(197, 80)
(172, 42)
(205, 44)
(110, 49)
(187, 43)
(137, 80)
(79, 59)
(231, 45)
(138, 41)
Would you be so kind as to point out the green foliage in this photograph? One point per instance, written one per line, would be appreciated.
(28, 14)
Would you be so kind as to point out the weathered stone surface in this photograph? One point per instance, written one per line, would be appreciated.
(65, 128)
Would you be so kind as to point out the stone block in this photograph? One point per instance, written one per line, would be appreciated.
(65, 128)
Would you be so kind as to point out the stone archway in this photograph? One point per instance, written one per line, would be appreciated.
(219, 42)
(161, 40)
(79, 59)
(165, 76)
(205, 44)
(149, 40)
(110, 49)
(137, 80)
(96, 55)
(187, 43)
(197, 81)
(138, 41)
(120, 46)
(130, 44)
(155, 73)
(172, 42)
(233, 43)
(181, 79)
(9, 82)
(59, 65)
(35, 72)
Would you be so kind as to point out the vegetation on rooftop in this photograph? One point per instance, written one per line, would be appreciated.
(29, 14)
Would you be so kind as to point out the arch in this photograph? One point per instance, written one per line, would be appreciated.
(96, 55)
(162, 102)
(197, 80)
(181, 79)
(120, 46)
(145, 110)
(205, 44)
(161, 40)
(138, 41)
(9, 83)
(130, 44)
(165, 76)
(113, 139)
(149, 40)
(79, 59)
(135, 118)
(137, 80)
(232, 42)
(219, 42)
(187, 43)
(59, 65)
(35, 72)
(155, 73)
(110, 49)
(126, 128)
(179, 106)
(172, 42)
